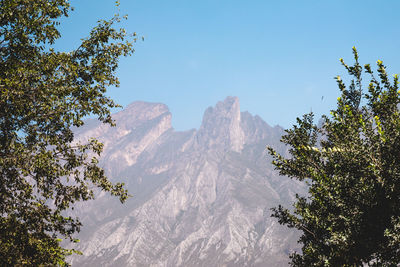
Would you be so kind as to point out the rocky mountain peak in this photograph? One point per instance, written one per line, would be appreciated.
(229, 108)
(200, 198)
(138, 126)
(221, 126)
(139, 112)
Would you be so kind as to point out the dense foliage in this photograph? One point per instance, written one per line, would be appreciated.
(43, 93)
(351, 216)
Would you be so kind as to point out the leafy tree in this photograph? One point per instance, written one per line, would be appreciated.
(351, 215)
(43, 93)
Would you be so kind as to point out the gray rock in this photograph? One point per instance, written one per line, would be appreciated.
(200, 197)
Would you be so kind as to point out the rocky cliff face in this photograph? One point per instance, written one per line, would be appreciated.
(200, 198)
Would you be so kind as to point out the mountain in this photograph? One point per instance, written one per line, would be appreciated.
(200, 197)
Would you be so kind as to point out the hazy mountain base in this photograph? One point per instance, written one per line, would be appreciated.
(201, 198)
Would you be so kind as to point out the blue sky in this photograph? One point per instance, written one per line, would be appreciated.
(278, 57)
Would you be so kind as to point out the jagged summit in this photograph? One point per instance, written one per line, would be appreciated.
(224, 111)
(200, 197)
(221, 126)
(140, 110)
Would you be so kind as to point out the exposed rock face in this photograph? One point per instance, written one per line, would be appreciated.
(221, 127)
(200, 198)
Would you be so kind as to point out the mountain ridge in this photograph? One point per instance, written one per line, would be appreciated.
(201, 197)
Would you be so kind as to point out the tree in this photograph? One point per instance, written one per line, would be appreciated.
(351, 215)
(44, 93)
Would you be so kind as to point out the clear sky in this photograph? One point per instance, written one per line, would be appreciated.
(278, 57)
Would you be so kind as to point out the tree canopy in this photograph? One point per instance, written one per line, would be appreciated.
(43, 93)
(351, 163)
